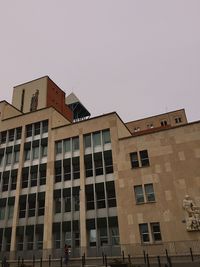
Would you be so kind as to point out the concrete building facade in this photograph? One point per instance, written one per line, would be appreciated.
(97, 184)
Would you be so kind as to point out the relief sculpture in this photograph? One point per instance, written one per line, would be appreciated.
(192, 214)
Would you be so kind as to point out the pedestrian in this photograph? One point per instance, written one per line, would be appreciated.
(66, 251)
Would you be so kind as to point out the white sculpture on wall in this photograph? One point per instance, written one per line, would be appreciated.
(192, 214)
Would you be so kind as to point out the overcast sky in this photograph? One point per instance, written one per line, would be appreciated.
(136, 57)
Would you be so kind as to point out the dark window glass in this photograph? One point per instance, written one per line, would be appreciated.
(76, 167)
(108, 161)
(3, 137)
(149, 192)
(37, 128)
(58, 145)
(156, 234)
(144, 158)
(45, 126)
(87, 140)
(134, 160)
(110, 189)
(106, 136)
(75, 143)
(100, 195)
(11, 135)
(98, 163)
(144, 232)
(139, 197)
(89, 190)
(88, 165)
(18, 133)
(29, 130)
(67, 169)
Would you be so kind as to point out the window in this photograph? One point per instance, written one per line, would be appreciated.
(144, 194)
(3, 137)
(100, 195)
(144, 232)
(18, 133)
(45, 126)
(88, 165)
(10, 207)
(25, 173)
(58, 171)
(29, 130)
(11, 135)
(35, 152)
(57, 201)
(139, 197)
(103, 236)
(144, 158)
(141, 160)
(150, 233)
(67, 145)
(31, 205)
(92, 237)
(42, 174)
(163, 123)
(16, 156)
(2, 208)
(108, 161)
(41, 203)
(37, 128)
(106, 137)
(67, 203)
(75, 143)
(178, 120)
(5, 181)
(13, 179)
(33, 177)
(67, 169)
(22, 206)
(59, 147)
(27, 151)
(98, 163)
(8, 157)
(155, 229)
(149, 192)
(87, 140)
(89, 197)
(111, 197)
(76, 167)
(96, 139)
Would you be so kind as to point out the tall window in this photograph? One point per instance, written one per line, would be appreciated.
(144, 193)
(150, 232)
(106, 136)
(96, 139)
(139, 160)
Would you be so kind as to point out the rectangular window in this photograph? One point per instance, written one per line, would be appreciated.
(67, 203)
(144, 158)
(22, 206)
(5, 181)
(111, 197)
(41, 203)
(67, 169)
(45, 126)
(13, 181)
(98, 163)
(92, 237)
(58, 171)
(8, 158)
(18, 133)
(106, 136)
(89, 191)
(134, 160)
(33, 176)
(2, 208)
(87, 140)
(67, 145)
(103, 236)
(35, 152)
(144, 232)
(29, 130)
(163, 123)
(16, 156)
(96, 139)
(27, 154)
(139, 161)
(88, 165)
(155, 230)
(100, 195)
(75, 143)
(3, 137)
(11, 135)
(31, 205)
(149, 192)
(108, 161)
(76, 167)
(36, 128)
(25, 174)
(139, 196)
(43, 151)
(58, 145)
(42, 174)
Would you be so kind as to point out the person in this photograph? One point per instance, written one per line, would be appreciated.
(66, 251)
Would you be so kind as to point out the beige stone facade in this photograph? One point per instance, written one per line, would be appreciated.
(96, 184)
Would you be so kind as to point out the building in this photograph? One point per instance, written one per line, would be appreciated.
(97, 184)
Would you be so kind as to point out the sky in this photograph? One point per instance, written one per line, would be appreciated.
(136, 57)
